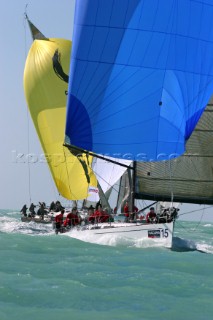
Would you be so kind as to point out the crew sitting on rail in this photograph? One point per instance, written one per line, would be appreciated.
(107, 217)
(151, 216)
(72, 218)
(89, 214)
(99, 215)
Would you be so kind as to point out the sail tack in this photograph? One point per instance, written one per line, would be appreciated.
(141, 75)
(45, 86)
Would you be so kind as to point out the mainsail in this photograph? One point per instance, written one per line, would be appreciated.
(45, 85)
(141, 76)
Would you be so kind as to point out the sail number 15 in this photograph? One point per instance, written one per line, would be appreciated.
(164, 233)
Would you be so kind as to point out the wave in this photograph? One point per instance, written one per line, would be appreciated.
(11, 223)
(112, 240)
(183, 245)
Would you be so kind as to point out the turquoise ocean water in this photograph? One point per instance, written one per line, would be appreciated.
(48, 276)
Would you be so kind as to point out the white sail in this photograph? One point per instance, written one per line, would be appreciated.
(109, 173)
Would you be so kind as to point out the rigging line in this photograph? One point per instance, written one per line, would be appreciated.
(199, 222)
(98, 175)
(144, 204)
(111, 186)
(194, 211)
(181, 225)
(28, 127)
(148, 206)
(68, 178)
(186, 227)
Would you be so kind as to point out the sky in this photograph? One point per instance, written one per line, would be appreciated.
(21, 181)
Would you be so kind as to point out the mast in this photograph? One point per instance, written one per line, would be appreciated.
(132, 204)
(118, 197)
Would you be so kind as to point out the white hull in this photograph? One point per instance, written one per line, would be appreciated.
(158, 233)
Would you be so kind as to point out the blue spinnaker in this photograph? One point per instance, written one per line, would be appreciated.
(141, 75)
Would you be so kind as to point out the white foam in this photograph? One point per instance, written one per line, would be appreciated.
(112, 239)
(13, 224)
(203, 247)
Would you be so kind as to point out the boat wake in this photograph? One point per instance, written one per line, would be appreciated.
(183, 245)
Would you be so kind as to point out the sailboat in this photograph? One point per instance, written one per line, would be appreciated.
(137, 91)
(140, 78)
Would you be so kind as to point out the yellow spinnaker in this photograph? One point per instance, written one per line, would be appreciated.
(45, 85)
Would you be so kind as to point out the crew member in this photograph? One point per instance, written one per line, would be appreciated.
(24, 210)
(59, 222)
(151, 216)
(72, 218)
(126, 211)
